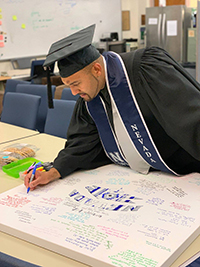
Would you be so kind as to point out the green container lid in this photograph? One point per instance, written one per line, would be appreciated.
(13, 169)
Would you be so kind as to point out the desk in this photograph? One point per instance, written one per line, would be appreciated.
(14, 74)
(4, 78)
(48, 145)
(9, 133)
(19, 73)
(32, 253)
(22, 249)
(45, 153)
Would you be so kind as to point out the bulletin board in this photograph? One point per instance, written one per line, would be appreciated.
(29, 27)
(125, 20)
(110, 216)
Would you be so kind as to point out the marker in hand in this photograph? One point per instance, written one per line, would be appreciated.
(32, 175)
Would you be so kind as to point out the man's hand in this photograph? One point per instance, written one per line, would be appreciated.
(41, 178)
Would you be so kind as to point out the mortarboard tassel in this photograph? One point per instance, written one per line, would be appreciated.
(49, 91)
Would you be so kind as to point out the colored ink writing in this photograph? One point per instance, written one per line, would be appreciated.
(100, 216)
(148, 187)
(47, 231)
(87, 231)
(155, 201)
(196, 180)
(109, 194)
(51, 201)
(114, 232)
(112, 207)
(175, 218)
(119, 173)
(180, 206)
(43, 209)
(119, 181)
(154, 232)
(178, 192)
(24, 217)
(71, 181)
(126, 219)
(80, 217)
(92, 172)
(158, 246)
(83, 242)
(14, 201)
(108, 244)
(133, 259)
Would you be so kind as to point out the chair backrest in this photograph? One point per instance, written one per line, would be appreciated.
(38, 72)
(40, 90)
(67, 95)
(9, 261)
(58, 119)
(12, 84)
(21, 110)
(22, 63)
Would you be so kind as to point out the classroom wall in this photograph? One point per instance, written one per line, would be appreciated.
(136, 8)
(5, 65)
(191, 3)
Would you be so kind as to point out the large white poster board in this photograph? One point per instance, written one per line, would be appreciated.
(110, 216)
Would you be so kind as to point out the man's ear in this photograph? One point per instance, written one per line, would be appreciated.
(96, 69)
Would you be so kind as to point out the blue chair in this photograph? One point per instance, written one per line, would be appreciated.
(40, 90)
(38, 72)
(67, 95)
(11, 86)
(22, 63)
(21, 110)
(58, 119)
(9, 261)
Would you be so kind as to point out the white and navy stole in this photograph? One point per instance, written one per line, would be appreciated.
(131, 144)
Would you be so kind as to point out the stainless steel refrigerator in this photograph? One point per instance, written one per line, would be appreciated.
(166, 27)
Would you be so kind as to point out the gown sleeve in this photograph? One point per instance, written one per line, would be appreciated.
(172, 95)
(83, 149)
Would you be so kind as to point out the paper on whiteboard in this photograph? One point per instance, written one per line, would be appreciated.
(172, 28)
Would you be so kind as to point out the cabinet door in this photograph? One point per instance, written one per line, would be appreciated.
(172, 31)
(153, 26)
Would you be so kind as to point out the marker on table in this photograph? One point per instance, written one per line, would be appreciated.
(32, 175)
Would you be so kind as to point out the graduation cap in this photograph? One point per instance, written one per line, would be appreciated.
(73, 53)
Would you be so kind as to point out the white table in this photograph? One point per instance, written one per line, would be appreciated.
(49, 147)
(10, 133)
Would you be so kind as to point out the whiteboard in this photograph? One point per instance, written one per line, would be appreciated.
(110, 216)
(29, 27)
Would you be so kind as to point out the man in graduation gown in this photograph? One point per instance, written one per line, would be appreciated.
(140, 110)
